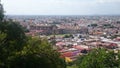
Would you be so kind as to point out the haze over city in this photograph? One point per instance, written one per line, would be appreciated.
(61, 7)
(59, 33)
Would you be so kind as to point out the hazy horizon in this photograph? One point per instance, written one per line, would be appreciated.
(62, 15)
(61, 7)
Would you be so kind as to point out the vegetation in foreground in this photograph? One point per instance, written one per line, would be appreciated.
(98, 58)
(19, 51)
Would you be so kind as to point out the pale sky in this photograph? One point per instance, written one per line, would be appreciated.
(61, 7)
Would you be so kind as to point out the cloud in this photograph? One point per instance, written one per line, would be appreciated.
(61, 7)
(108, 1)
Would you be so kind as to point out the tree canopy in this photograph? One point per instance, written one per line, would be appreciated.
(20, 51)
(1, 12)
(38, 53)
(99, 58)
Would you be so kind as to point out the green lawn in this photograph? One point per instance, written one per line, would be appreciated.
(59, 35)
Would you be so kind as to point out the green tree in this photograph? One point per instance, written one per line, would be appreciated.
(68, 36)
(93, 25)
(19, 51)
(1, 12)
(12, 40)
(38, 54)
(2, 38)
(98, 58)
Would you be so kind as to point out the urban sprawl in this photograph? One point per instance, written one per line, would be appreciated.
(74, 35)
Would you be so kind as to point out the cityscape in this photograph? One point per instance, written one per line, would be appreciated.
(59, 34)
(74, 35)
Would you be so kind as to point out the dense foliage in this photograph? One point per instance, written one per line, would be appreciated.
(1, 12)
(38, 53)
(19, 51)
(12, 40)
(99, 58)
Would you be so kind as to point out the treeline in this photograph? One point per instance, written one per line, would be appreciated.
(99, 58)
(20, 51)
